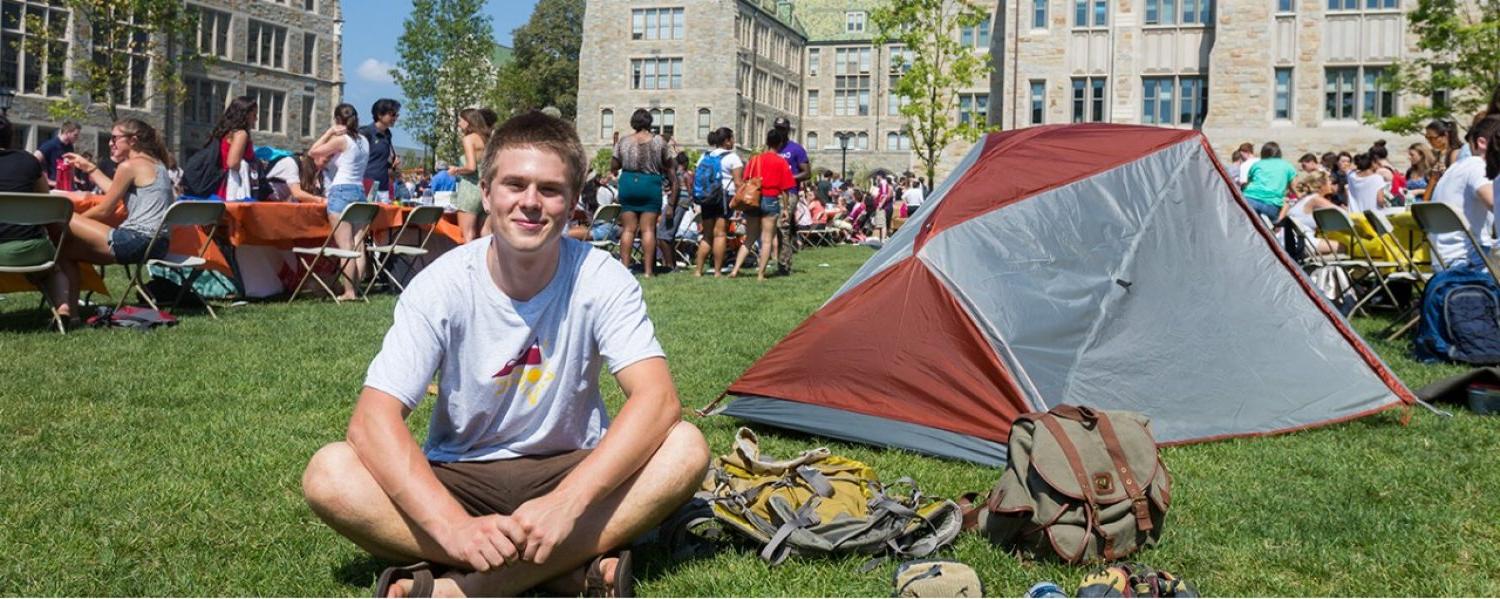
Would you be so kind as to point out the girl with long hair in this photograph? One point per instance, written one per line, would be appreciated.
(715, 216)
(142, 183)
(347, 152)
(1314, 191)
(760, 222)
(236, 149)
(1422, 163)
(475, 124)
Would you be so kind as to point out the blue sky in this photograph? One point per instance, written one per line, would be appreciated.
(371, 28)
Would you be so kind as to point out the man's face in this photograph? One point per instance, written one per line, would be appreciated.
(528, 198)
(389, 119)
(70, 137)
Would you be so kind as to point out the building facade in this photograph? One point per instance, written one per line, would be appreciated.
(1304, 73)
(284, 53)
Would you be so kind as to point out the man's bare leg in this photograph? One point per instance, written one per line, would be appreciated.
(344, 494)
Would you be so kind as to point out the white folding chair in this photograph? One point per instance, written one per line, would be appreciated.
(38, 209)
(179, 214)
(608, 213)
(1334, 220)
(358, 215)
(405, 254)
(1436, 218)
(1411, 271)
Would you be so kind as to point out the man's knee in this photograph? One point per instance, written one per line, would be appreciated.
(325, 483)
(687, 452)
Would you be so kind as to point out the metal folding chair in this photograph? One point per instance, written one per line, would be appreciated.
(180, 214)
(1334, 220)
(405, 254)
(1411, 271)
(608, 213)
(358, 215)
(38, 209)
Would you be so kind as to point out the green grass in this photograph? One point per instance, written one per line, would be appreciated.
(167, 463)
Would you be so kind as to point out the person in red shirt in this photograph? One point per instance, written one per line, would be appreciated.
(775, 179)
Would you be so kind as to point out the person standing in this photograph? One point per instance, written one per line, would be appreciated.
(236, 148)
(51, 152)
(714, 223)
(383, 159)
(348, 153)
(1268, 179)
(786, 224)
(775, 180)
(913, 197)
(644, 164)
(475, 124)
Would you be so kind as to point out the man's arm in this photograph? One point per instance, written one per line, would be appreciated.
(651, 410)
(378, 435)
(804, 172)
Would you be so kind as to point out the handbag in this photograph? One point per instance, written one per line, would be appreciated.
(747, 197)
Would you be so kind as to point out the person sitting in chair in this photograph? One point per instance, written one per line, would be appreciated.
(524, 482)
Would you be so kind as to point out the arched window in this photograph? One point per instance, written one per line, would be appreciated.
(862, 141)
(812, 140)
(656, 121)
(891, 140)
(606, 123)
(705, 120)
(669, 122)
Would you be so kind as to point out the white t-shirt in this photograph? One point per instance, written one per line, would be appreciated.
(605, 195)
(1244, 176)
(1364, 191)
(727, 164)
(515, 378)
(912, 196)
(1459, 189)
(283, 175)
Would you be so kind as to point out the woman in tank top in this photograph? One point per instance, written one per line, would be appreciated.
(236, 149)
(1367, 189)
(475, 125)
(1314, 192)
(142, 183)
(347, 153)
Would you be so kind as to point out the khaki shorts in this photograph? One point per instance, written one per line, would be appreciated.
(501, 486)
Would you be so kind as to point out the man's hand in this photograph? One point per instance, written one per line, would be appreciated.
(485, 542)
(547, 520)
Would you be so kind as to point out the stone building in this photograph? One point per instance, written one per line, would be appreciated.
(284, 53)
(1304, 73)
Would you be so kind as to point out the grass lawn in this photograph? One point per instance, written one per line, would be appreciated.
(168, 463)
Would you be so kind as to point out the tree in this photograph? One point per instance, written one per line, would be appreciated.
(935, 67)
(544, 68)
(1459, 61)
(128, 39)
(445, 49)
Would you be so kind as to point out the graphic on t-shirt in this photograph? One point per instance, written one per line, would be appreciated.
(518, 372)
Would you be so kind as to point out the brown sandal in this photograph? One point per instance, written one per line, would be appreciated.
(623, 584)
(420, 574)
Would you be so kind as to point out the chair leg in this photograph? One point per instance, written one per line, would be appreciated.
(307, 272)
(188, 284)
(1404, 328)
(134, 285)
(381, 259)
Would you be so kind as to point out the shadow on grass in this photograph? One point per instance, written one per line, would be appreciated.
(360, 572)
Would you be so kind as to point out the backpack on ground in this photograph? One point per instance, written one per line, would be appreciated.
(1460, 318)
(1081, 484)
(820, 504)
(936, 578)
(201, 174)
(708, 190)
(132, 317)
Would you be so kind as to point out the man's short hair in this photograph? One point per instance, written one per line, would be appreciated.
(536, 130)
(1485, 129)
(1271, 149)
(68, 127)
(384, 106)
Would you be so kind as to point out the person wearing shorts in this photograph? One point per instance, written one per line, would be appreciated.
(714, 218)
(347, 153)
(524, 483)
(28, 245)
(775, 179)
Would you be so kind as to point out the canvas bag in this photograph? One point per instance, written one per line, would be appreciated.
(819, 503)
(747, 196)
(1081, 484)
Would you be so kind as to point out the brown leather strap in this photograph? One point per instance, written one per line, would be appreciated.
(1075, 413)
(1127, 478)
(1075, 462)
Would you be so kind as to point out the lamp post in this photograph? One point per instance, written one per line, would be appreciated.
(7, 97)
(843, 153)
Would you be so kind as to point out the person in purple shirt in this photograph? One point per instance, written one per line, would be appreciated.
(786, 224)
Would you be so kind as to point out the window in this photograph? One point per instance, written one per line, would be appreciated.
(1088, 99)
(897, 141)
(213, 31)
(33, 70)
(1343, 85)
(656, 73)
(1283, 105)
(203, 100)
(1388, 4)
(1173, 100)
(811, 140)
(1166, 12)
(1286, 5)
(663, 122)
(271, 105)
(814, 55)
(1440, 98)
(606, 124)
(121, 46)
(705, 122)
(851, 88)
(812, 102)
(307, 116)
(977, 36)
(1368, 4)
(310, 5)
(1343, 4)
(1090, 13)
(1039, 14)
(854, 22)
(894, 102)
(309, 53)
(1038, 102)
(973, 109)
(656, 24)
(266, 46)
(861, 141)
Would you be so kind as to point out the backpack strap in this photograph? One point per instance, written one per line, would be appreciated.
(807, 515)
(1070, 452)
(1127, 477)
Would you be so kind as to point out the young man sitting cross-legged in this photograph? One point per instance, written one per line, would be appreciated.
(524, 482)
